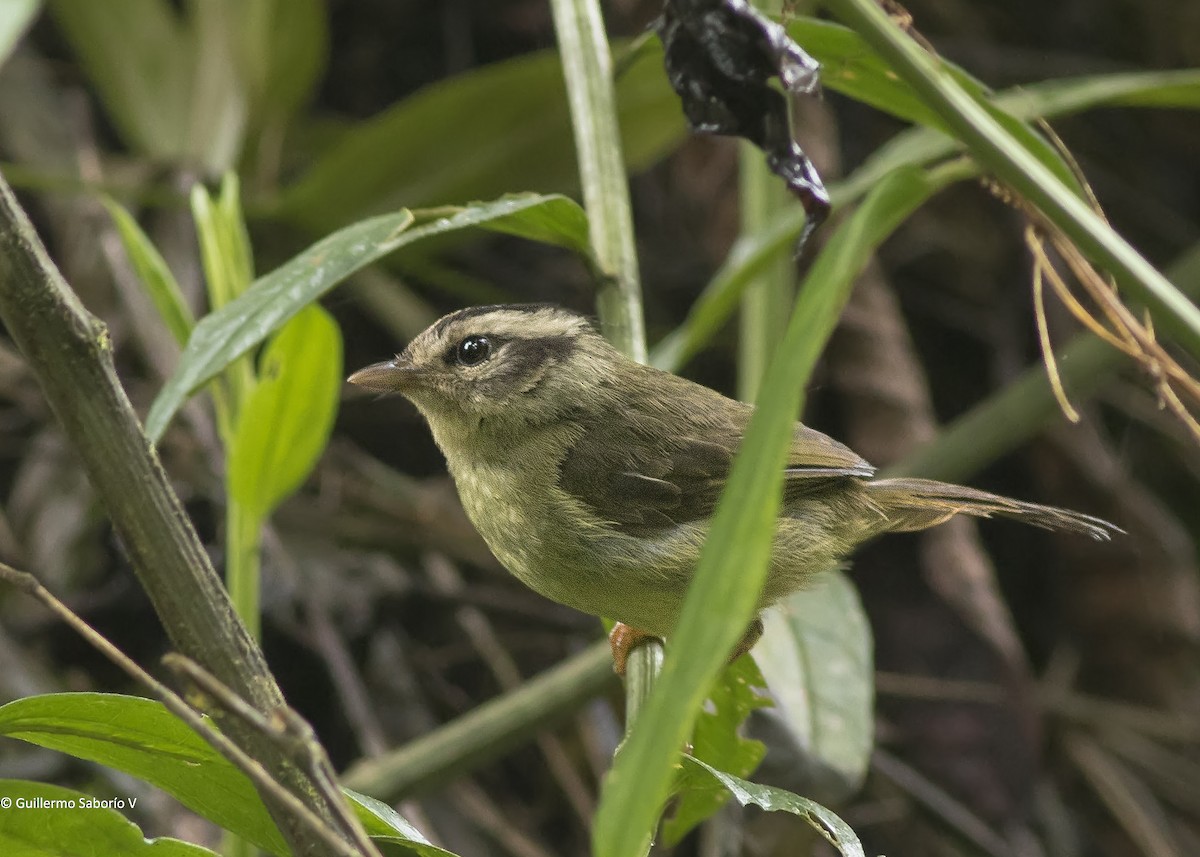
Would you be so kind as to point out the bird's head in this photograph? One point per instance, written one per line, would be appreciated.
(511, 364)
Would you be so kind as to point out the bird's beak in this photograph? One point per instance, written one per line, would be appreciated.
(394, 376)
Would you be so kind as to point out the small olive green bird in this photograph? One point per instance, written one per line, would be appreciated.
(593, 478)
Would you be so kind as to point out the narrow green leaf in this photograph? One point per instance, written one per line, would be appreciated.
(1047, 99)
(15, 18)
(41, 820)
(138, 55)
(816, 654)
(233, 235)
(282, 51)
(1172, 89)
(717, 742)
(415, 153)
(223, 336)
(152, 270)
(1020, 169)
(696, 774)
(1031, 139)
(733, 564)
(852, 67)
(141, 738)
(753, 253)
(224, 245)
(553, 220)
(218, 102)
(285, 421)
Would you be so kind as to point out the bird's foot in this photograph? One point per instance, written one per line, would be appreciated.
(624, 639)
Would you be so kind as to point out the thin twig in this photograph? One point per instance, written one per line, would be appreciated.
(285, 727)
(28, 584)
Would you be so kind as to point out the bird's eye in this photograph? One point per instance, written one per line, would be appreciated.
(473, 350)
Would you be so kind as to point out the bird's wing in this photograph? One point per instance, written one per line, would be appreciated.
(814, 454)
(661, 469)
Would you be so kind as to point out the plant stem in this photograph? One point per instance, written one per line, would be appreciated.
(587, 68)
(767, 300)
(486, 732)
(243, 561)
(1014, 165)
(769, 296)
(69, 351)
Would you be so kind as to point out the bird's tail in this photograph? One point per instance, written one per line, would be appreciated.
(916, 504)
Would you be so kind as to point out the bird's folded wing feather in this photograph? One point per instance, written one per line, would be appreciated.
(647, 475)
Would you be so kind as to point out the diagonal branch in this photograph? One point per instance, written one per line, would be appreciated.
(69, 351)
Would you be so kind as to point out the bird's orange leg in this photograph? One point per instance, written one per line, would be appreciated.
(624, 639)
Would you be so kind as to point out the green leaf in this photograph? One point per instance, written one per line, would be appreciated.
(224, 243)
(816, 655)
(141, 738)
(282, 50)
(167, 79)
(717, 742)
(284, 423)
(753, 252)
(1047, 99)
(223, 336)
(852, 67)
(152, 270)
(217, 98)
(15, 18)
(698, 775)
(1130, 89)
(733, 563)
(392, 832)
(74, 825)
(1017, 167)
(1031, 139)
(137, 54)
(416, 153)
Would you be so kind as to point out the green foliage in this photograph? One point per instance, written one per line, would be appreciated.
(415, 153)
(699, 776)
(852, 67)
(198, 84)
(224, 243)
(31, 826)
(15, 18)
(990, 141)
(141, 738)
(193, 86)
(733, 564)
(716, 742)
(816, 656)
(154, 274)
(391, 832)
(167, 80)
(285, 419)
(281, 51)
(223, 336)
